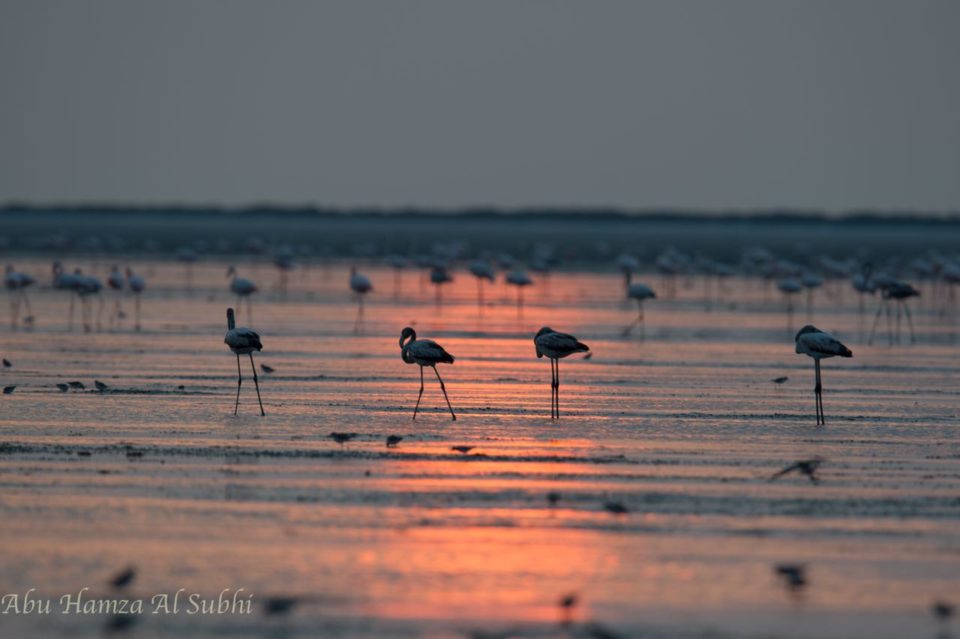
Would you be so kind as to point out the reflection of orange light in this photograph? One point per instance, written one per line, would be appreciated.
(520, 573)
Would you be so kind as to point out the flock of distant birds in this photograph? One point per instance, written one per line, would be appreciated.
(790, 278)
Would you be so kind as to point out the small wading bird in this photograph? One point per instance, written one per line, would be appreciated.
(819, 345)
(556, 346)
(424, 352)
(243, 341)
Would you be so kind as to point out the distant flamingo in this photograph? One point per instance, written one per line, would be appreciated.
(556, 346)
(810, 282)
(243, 341)
(86, 286)
(789, 286)
(439, 276)
(818, 344)
(519, 278)
(361, 285)
(640, 292)
(188, 256)
(481, 270)
(243, 289)
(283, 260)
(137, 284)
(66, 282)
(899, 292)
(17, 283)
(116, 282)
(627, 264)
(424, 352)
(398, 262)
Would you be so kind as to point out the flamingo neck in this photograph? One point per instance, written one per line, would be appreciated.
(231, 321)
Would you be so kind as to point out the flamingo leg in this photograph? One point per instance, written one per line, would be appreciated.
(557, 390)
(137, 306)
(14, 311)
(553, 389)
(899, 313)
(256, 383)
(818, 392)
(99, 311)
(70, 314)
(906, 310)
(236, 404)
(444, 389)
(420, 396)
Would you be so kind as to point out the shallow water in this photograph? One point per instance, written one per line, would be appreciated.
(682, 426)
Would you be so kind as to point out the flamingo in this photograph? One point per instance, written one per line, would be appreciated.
(481, 270)
(361, 285)
(243, 289)
(424, 352)
(818, 344)
(638, 291)
(810, 282)
(85, 286)
(188, 256)
(556, 346)
(789, 286)
(136, 284)
(283, 260)
(439, 276)
(66, 282)
(519, 278)
(899, 292)
(243, 341)
(116, 282)
(398, 262)
(627, 264)
(17, 282)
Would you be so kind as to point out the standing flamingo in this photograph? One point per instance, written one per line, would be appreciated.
(481, 270)
(361, 285)
(243, 289)
(243, 341)
(818, 344)
(639, 291)
(116, 282)
(789, 286)
(136, 284)
(519, 278)
(439, 276)
(424, 352)
(556, 346)
(17, 283)
(66, 282)
(899, 292)
(810, 282)
(85, 286)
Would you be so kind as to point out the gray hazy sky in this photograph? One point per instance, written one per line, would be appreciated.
(837, 104)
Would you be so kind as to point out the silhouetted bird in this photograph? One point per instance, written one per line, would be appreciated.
(280, 605)
(793, 575)
(462, 449)
(942, 610)
(77, 385)
(393, 440)
(63, 388)
(124, 578)
(266, 369)
(342, 438)
(553, 498)
(567, 603)
(615, 508)
(8, 389)
(100, 386)
(779, 380)
(6, 363)
(806, 467)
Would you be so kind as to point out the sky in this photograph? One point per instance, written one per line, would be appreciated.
(707, 105)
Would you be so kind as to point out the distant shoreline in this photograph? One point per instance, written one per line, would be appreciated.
(592, 214)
